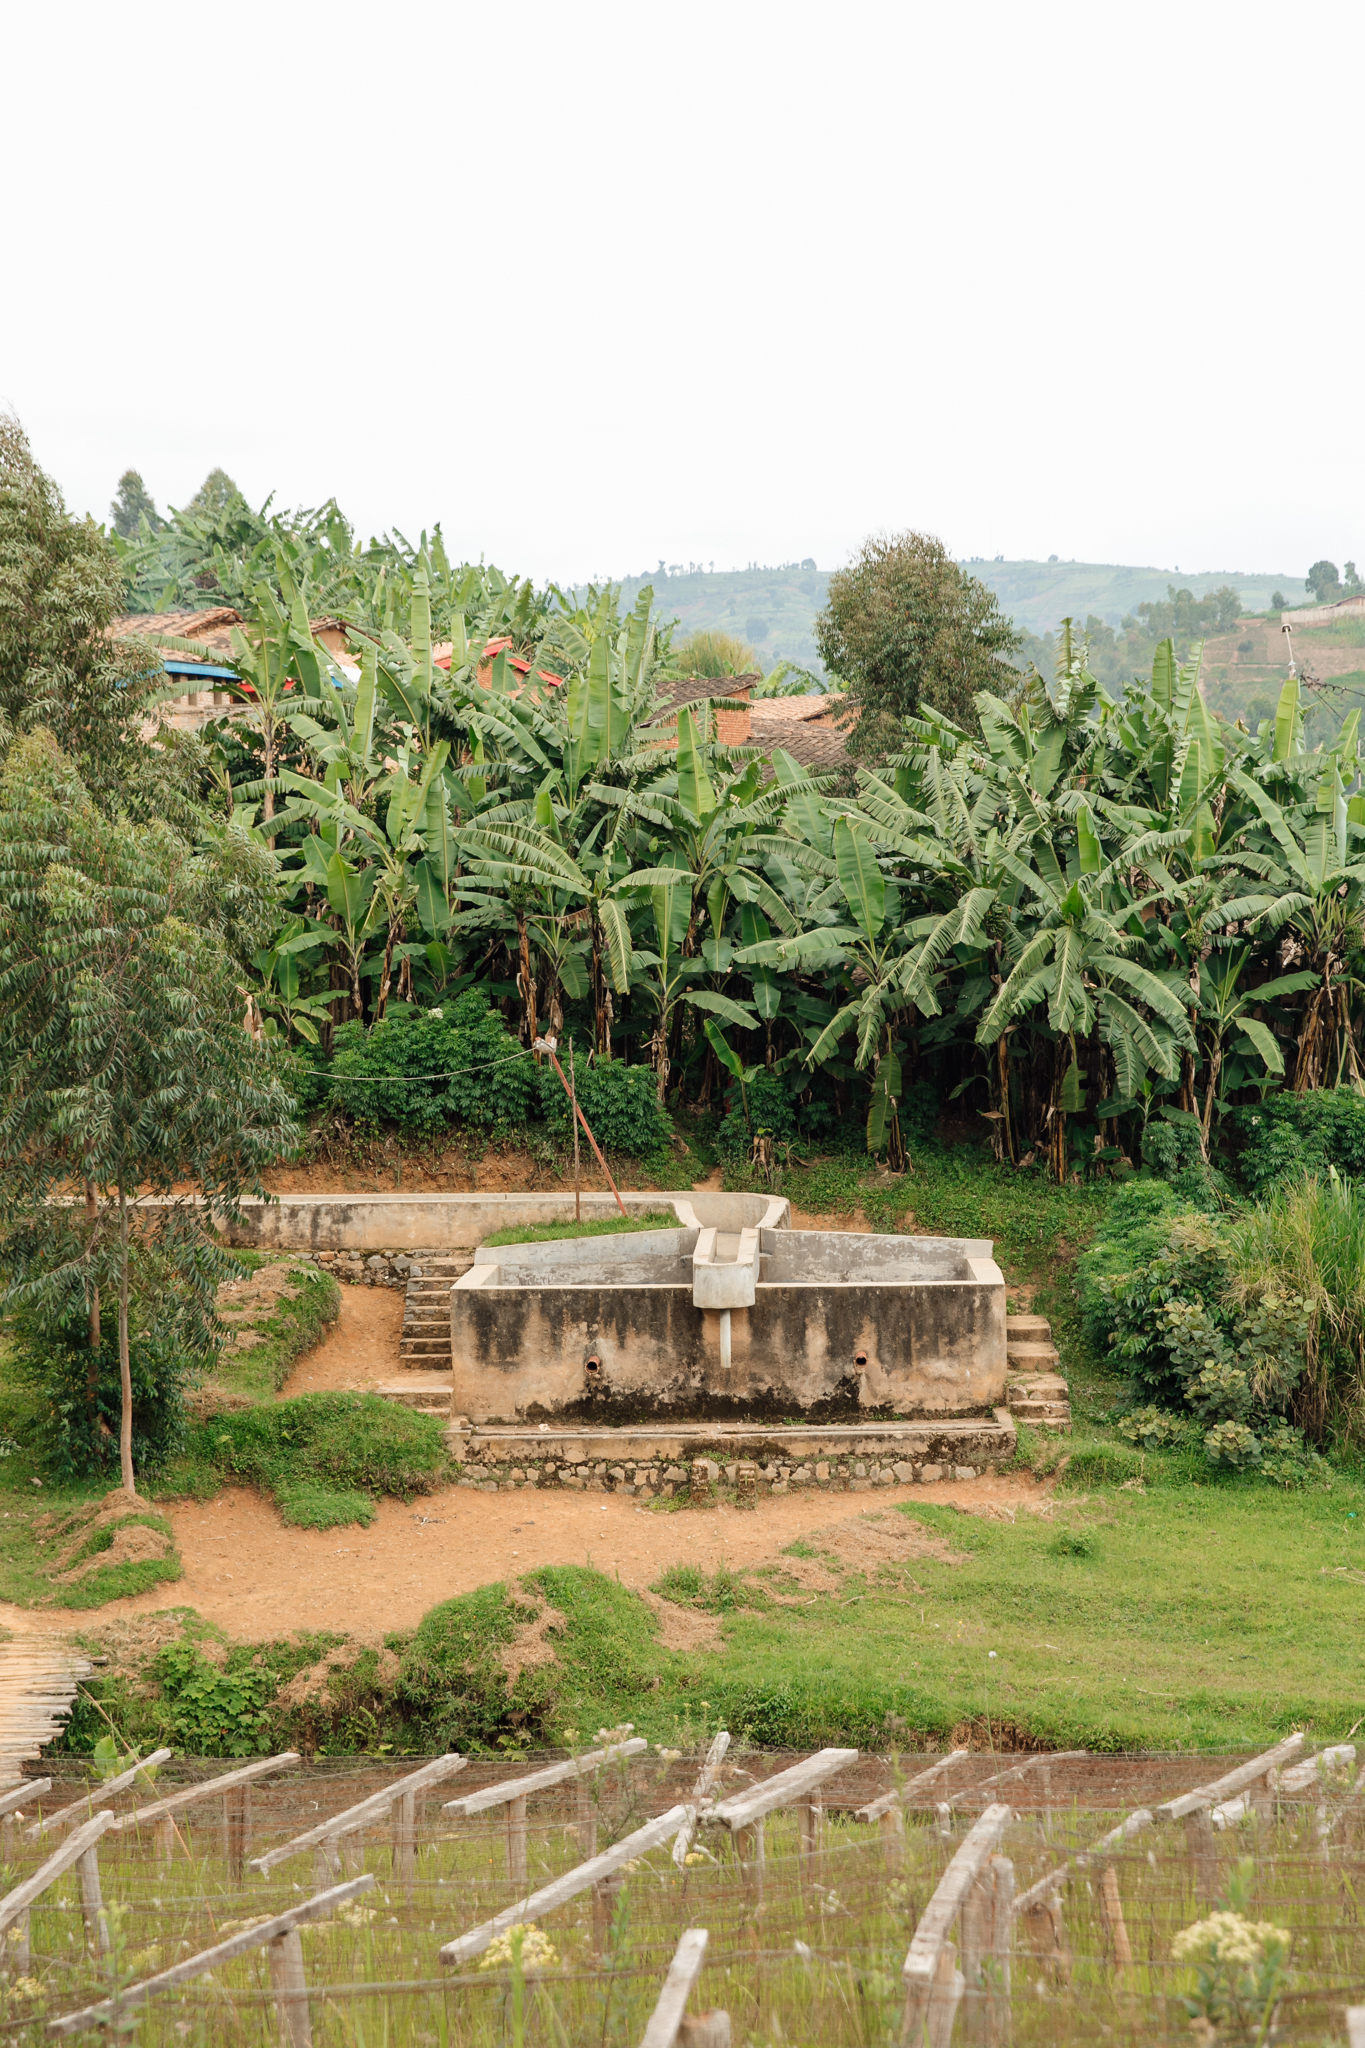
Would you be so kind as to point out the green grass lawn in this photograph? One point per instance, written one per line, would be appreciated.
(597, 1226)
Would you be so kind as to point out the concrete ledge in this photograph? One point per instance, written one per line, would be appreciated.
(951, 1441)
(458, 1222)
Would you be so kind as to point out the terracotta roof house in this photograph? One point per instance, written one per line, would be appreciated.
(205, 696)
(812, 729)
(443, 652)
(731, 726)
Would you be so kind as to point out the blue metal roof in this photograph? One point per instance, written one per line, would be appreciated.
(199, 668)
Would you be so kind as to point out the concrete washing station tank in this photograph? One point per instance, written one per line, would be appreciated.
(731, 1315)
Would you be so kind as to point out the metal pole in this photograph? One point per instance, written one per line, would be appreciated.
(548, 1045)
(573, 1119)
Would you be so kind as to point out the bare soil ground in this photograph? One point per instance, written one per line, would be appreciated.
(360, 1349)
(449, 1169)
(255, 1578)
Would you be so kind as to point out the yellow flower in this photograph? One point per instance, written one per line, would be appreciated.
(537, 1950)
(1228, 1938)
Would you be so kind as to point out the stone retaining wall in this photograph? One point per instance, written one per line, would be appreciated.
(743, 1477)
(372, 1269)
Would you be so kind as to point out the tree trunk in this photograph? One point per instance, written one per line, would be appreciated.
(1214, 1065)
(268, 760)
(601, 1033)
(92, 1370)
(526, 983)
(125, 1370)
(386, 980)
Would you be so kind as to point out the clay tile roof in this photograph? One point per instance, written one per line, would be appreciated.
(213, 627)
(812, 705)
(684, 690)
(816, 742)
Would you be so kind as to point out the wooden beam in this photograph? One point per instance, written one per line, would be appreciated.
(921, 1969)
(1033, 1763)
(742, 1809)
(683, 1972)
(32, 1788)
(539, 1781)
(66, 1814)
(364, 1813)
(700, 1793)
(580, 1879)
(899, 1795)
(16, 1903)
(319, 1907)
(209, 1789)
(1233, 1781)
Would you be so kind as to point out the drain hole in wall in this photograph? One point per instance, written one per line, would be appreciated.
(861, 1358)
(593, 1365)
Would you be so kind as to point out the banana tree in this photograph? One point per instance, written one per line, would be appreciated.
(1227, 1006)
(1314, 895)
(370, 866)
(1077, 962)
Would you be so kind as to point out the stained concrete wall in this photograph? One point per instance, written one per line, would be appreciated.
(603, 1353)
(457, 1222)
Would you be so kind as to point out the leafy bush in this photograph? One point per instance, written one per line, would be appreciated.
(1287, 1137)
(324, 1457)
(770, 1108)
(1231, 1443)
(621, 1105)
(1133, 1230)
(76, 1428)
(1155, 1429)
(458, 1064)
(213, 1712)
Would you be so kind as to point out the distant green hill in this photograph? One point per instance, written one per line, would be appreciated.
(1037, 595)
(775, 608)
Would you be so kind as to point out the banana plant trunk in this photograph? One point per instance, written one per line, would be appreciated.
(125, 1370)
(526, 984)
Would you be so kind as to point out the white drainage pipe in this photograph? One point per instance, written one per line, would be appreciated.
(725, 1340)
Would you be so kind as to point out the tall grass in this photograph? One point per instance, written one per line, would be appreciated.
(815, 1956)
(1309, 1240)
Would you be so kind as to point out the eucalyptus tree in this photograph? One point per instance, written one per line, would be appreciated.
(126, 1059)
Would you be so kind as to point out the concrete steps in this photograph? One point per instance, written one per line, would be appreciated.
(428, 1392)
(1036, 1391)
(424, 1345)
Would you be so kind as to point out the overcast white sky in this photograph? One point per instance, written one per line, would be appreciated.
(597, 284)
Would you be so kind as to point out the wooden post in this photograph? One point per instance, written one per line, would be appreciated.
(18, 1945)
(405, 1842)
(604, 1896)
(1260, 1796)
(810, 1815)
(943, 1820)
(749, 1853)
(1199, 1836)
(163, 1842)
(586, 1817)
(704, 2030)
(891, 1826)
(92, 1905)
(327, 1862)
(945, 1996)
(236, 1829)
(291, 1990)
(573, 1119)
(352, 1847)
(1002, 1948)
(976, 1934)
(516, 1841)
(1111, 1906)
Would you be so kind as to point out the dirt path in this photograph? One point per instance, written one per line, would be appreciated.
(256, 1578)
(359, 1350)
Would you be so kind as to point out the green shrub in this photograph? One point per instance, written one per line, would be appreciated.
(452, 1674)
(1133, 1229)
(75, 1430)
(1074, 1543)
(1155, 1429)
(1101, 1465)
(213, 1712)
(457, 1064)
(771, 1108)
(324, 1457)
(1287, 1137)
(621, 1105)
